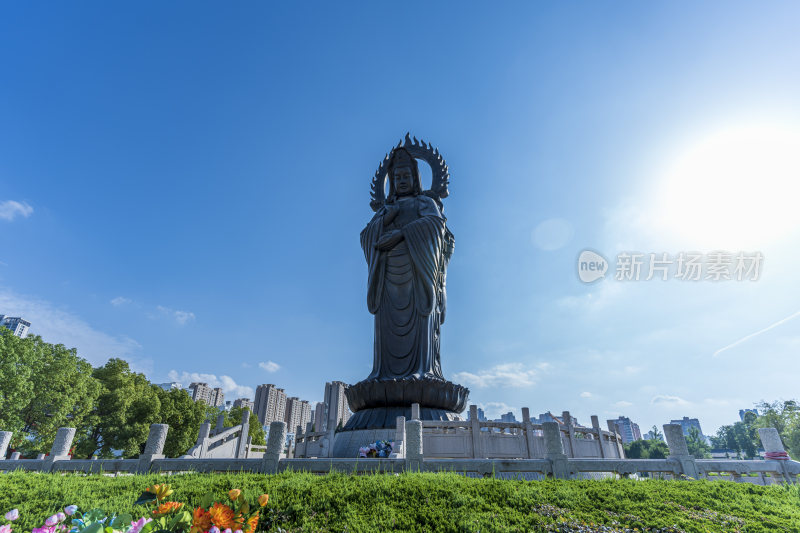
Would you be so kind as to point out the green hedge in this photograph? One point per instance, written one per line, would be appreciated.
(434, 502)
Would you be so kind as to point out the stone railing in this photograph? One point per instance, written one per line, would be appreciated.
(223, 443)
(414, 457)
(474, 439)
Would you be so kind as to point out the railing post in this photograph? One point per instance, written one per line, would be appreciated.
(679, 451)
(241, 448)
(774, 450)
(554, 450)
(612, 428)
(5, 440)
(414, 411)
(413, 444)
(202, 438)
(220, 424)
(275, 444)
(526, 422)
(475, 429)
(570, 432)
(599, 434)
(15, 456)
(60, 449)
(398, 452)
(154, 449)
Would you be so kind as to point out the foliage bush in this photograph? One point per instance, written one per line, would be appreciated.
(434, 502)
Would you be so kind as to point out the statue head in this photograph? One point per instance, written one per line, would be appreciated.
(404, 175)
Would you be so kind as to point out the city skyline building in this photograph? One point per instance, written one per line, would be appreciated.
(687, 423)
(298, 413)
(18, 325)
(628, 429)
(269, 404)
(201, 392)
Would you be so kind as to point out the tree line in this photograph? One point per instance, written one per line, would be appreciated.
(741, 437)
(45, 386)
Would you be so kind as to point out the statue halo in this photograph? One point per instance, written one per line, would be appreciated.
(418, 150)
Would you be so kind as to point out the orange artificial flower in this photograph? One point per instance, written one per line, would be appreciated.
(234, 494)
(222, 516)
(263, 499)
(166, 508)
(201, 521)
(252, 522)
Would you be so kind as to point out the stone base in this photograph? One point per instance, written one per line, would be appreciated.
(386, 417)
(347, 443)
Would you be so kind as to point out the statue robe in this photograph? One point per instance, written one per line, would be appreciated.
(406, 289)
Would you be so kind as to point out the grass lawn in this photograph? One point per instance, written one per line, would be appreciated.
(433, 502)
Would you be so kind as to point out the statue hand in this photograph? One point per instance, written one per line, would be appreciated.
(389, 240)
(390, 214)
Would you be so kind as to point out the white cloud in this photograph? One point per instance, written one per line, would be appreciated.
(270, 366)
(663, 399)
(58, 326)
(622, 404)
(505, 375)
(226, 383)
(586, 395)
(119, 300)
(181, 317)
(9, 210)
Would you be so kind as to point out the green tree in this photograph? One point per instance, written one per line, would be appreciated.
(126, 406)
(17, 367)
(255, 431)
(184, 417)
(646, 449)
(697, 444)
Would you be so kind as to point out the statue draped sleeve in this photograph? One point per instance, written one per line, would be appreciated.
(425, 239)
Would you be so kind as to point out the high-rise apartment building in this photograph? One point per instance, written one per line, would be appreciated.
(269, 404)
(244, 402)
(628, 430)
(687, 423)
(201, 392)
(17, 325)
(298, 413)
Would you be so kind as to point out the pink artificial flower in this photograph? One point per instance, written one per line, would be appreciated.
(214, 529)
(61, 516)
(5, 528)
(51, 521)
(137, 526)
(70, 509)
(12, 515)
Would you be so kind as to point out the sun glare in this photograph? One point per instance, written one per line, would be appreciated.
(738, 188)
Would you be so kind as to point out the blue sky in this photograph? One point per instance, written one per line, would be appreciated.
(183, 185)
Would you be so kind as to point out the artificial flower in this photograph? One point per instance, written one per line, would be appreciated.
(252, 522)
(70, 509)
(137, 526)
(201, 521)
(166, 508)
(161, 491)
(214, 529)
(234, 494)
(51, 521)
(263, 499)
(222, 516)
(5, 528)
(12, 515)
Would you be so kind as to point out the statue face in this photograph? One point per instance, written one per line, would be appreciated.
(403, 181)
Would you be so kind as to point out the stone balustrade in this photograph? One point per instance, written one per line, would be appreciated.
(555, 461)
